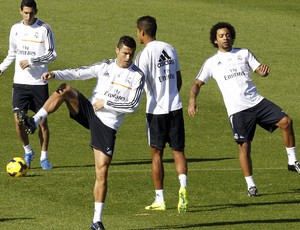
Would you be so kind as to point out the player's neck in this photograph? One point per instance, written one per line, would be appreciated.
(30, 23)
(148, 40)
(225, 50)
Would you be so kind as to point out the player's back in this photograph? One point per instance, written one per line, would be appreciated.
(159, 61)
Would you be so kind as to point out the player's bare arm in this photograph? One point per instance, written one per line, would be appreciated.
(263, 70)
(195, 89)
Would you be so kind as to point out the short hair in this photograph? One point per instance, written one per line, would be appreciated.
(220, 25)
(127, 41)
(29, 3)
(148, 24)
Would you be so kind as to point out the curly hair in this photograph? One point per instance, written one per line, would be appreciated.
(220, 25)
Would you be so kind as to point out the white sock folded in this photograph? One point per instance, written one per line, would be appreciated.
(250, 181)
(39, 116)
(291, 153)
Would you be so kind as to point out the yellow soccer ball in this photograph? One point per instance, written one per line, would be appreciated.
(16, 167)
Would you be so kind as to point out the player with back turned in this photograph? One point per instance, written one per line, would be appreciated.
(165, 123)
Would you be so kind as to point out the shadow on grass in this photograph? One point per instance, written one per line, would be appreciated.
(73, 166)
(142, 162)
(229, 223)
(14, 219)
(189, 160)
(207, 208)
(209, 159)
(34, 175)
(296, 190)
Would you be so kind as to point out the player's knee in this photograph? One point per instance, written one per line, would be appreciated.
(101, 174)
(63, 88)
(286, 122)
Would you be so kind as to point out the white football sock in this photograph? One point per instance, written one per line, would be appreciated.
(27, 148)
(250, 181)
(98, 212)
(44, 155)
(291, 153)
(39, 116)
(183, 180)
(159, 196)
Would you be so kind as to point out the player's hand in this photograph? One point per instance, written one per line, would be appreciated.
(24, 64)
(192, 109)
(47, 76)
(263, 70)
(99, 104)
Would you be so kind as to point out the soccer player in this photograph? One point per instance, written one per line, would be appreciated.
(246, 108)
(32, 47)
(118, 91)
(159, 61)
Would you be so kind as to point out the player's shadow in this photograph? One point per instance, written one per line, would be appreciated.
(209, 159)
(189, 160)
(139, 162)
(224, 223)
(210, 208)
(73, 166)
(297, 190)
(15, 219)
(33, 175)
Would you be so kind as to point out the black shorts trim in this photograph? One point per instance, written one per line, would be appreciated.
(163, 128)
(102, 137)
(266, 114)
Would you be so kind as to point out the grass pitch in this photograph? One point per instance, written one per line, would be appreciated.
(87, 32)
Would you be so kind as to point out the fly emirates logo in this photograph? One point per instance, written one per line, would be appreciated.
(116, 95)
(25, 51)
(234, 73)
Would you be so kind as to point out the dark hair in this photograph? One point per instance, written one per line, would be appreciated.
(29, 3)
(220, 25)
(127, 41)
(148, 24)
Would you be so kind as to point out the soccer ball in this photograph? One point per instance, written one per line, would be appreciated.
(16, 167)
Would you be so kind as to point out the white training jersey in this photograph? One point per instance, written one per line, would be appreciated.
(34, 43)
(120, 88)
(159, 62)
(231, 70)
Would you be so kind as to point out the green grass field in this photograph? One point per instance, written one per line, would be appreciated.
(86, 32)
